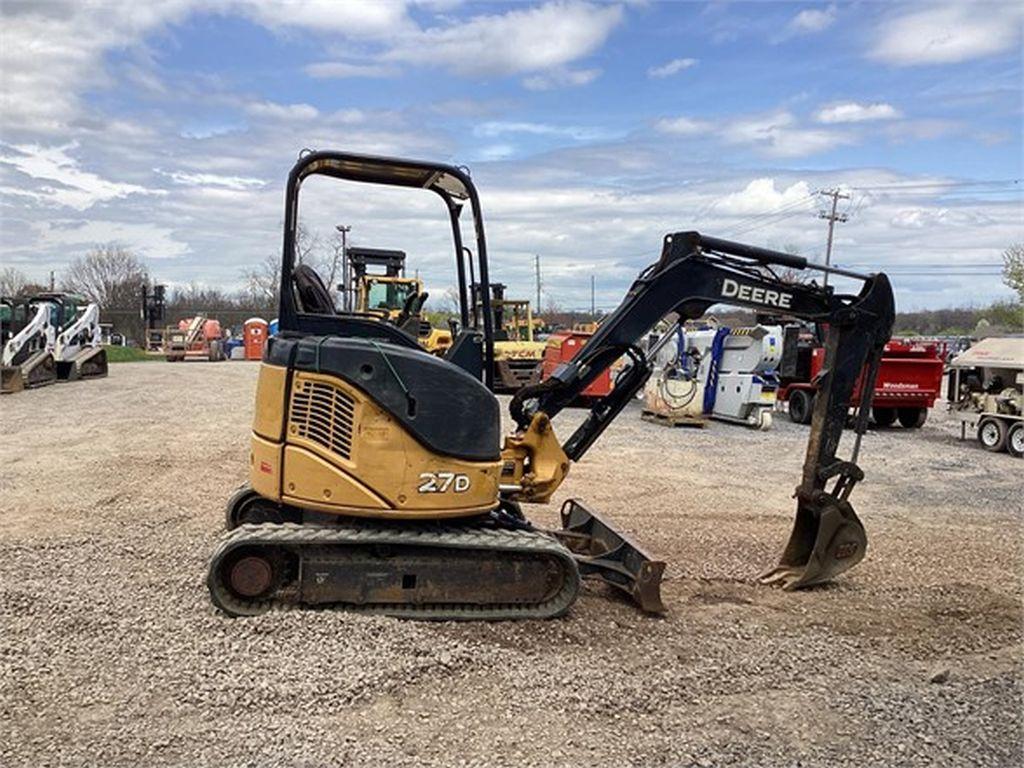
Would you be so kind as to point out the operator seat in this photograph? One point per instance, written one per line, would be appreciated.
(313, 294)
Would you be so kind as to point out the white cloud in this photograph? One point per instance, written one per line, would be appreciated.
(275, 111)
(52, 50)
(494, 152)
(519, 41)
(853, 112)
(948, 34)
(212, 180)
(343, 69)
(71, 186)
(561, 78)
(351, 17)
(919, 217)
(760, 196)
(579, 133)
(925, 129)
(813, 20)
(682, 126)
(148, 240)
(671, 68)
(779, 135)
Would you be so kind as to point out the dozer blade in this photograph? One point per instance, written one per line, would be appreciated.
(603, 553)
(828, 538)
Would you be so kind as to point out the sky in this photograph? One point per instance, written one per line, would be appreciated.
(591, 130)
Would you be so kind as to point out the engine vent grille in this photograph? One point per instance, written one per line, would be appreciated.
(323, 414)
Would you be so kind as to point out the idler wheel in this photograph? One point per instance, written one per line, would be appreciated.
(251, 576)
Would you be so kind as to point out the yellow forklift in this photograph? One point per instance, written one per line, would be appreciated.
(393, 296)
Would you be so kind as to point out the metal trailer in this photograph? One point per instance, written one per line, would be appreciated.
(984, 388)
(909, 378)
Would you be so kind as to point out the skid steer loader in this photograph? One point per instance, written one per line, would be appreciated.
(378, 479)
(77, 349)
(29, 335)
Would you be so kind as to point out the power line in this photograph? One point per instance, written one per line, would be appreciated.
(761, 225)
(743, 224)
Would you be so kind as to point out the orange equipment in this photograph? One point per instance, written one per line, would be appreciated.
(562, 347)
(254, 334)
(197, 337)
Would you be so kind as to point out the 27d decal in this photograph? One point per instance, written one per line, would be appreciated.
(442, 482)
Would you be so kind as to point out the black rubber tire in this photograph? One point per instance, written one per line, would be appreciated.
(912, 418)
(1015, 440)
(801, 405)
(992, 434)
(883, 417)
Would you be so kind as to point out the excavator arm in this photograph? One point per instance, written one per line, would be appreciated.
(694, 273)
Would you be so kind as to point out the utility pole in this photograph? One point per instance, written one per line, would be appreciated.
(536, 263)
(593, 305)
(52, 281)
(346, 293)
(832, 217)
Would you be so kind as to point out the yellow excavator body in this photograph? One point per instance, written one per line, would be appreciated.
(321, 443)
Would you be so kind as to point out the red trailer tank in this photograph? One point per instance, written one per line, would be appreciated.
(909, 378)
(563, 346)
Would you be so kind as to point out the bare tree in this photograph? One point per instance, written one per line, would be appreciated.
(330, 260)
(1013, 268)
(789, 275)
(110, 275)
(12, 281)
(263, 281)
(307, 244)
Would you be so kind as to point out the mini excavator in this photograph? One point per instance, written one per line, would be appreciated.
(378, 479)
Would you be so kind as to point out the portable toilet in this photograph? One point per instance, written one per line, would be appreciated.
(273, 327)
(255, 333)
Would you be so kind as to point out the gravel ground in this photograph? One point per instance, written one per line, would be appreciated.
(111, 500)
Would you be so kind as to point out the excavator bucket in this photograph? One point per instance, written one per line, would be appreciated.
(38, 371)
(11, 380)
(828, 538)
(605, 554)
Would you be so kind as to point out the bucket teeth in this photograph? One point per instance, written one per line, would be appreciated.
(828, 539)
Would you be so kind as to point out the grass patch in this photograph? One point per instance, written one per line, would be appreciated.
(128, 355)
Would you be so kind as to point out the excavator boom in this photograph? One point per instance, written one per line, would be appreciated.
(694, 273)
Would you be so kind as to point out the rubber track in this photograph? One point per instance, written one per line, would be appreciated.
(488, 540)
